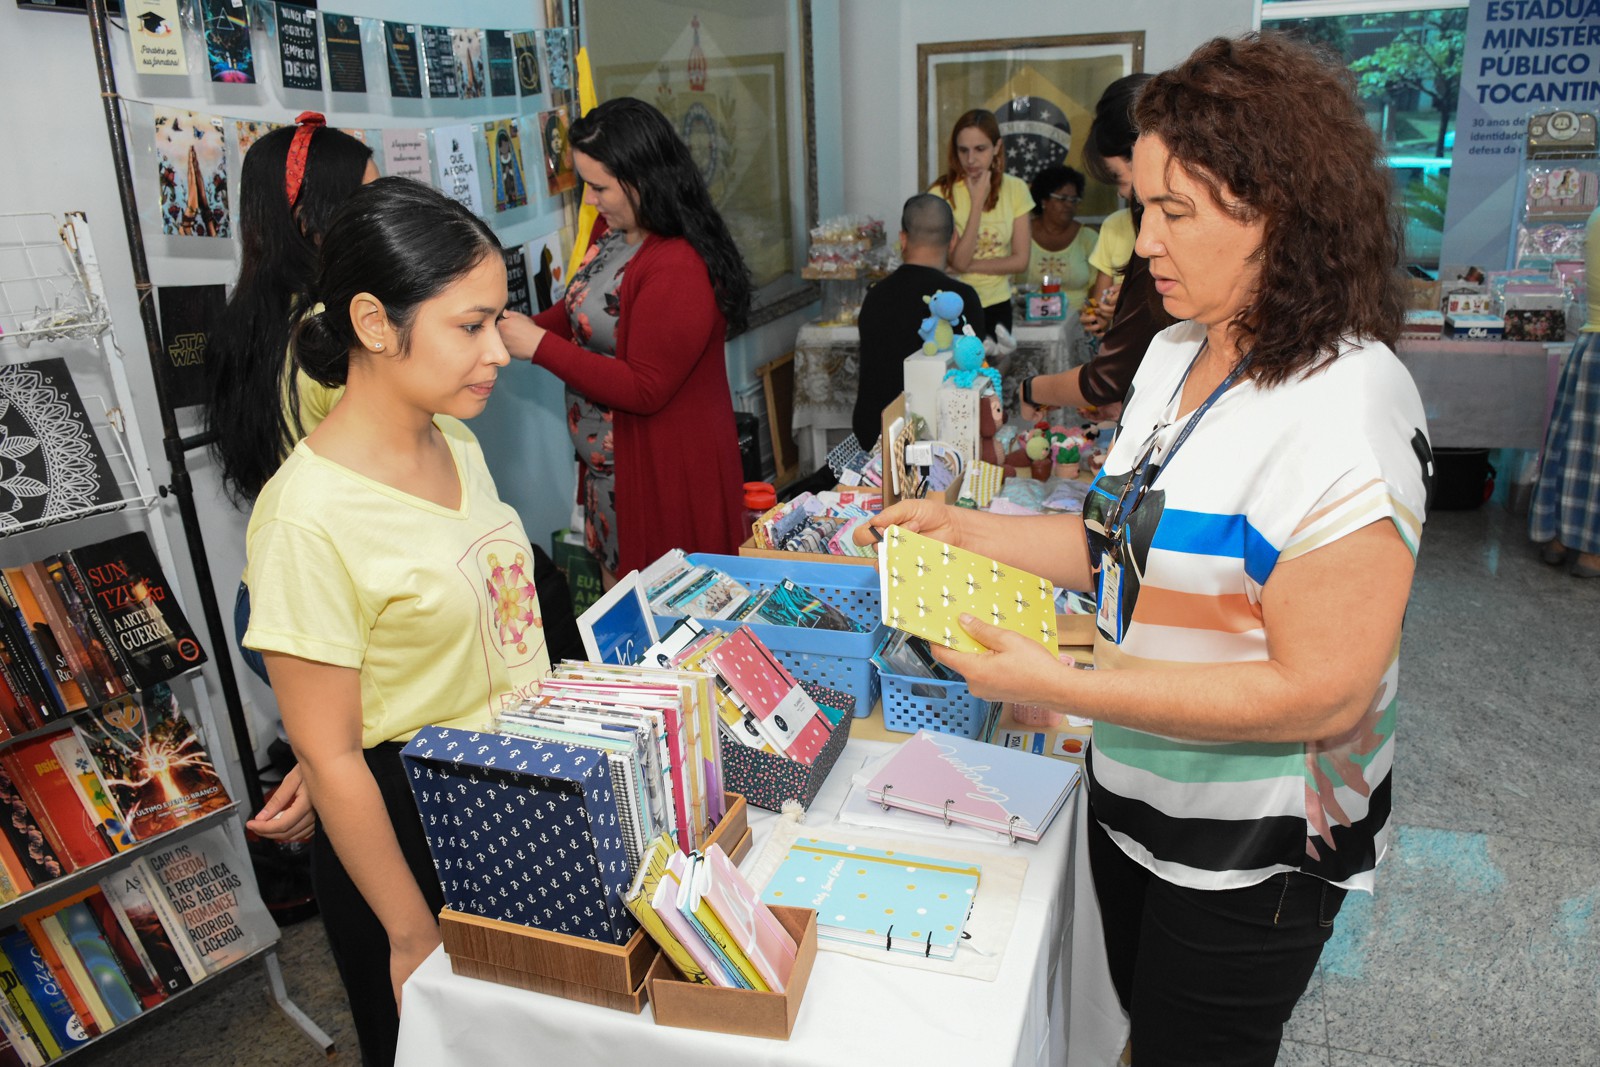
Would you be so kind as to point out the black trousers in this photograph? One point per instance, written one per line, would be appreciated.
(997, 315)
(360, 945)
(1208, 977)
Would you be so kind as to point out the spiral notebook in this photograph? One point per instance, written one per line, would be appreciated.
(976, 784)
(927, 584)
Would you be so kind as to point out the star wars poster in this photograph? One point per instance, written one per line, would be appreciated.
(225, 25)
(504, 138)
(192, 169)
(157, 39)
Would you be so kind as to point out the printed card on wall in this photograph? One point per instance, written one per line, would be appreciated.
(157, 39)
(405, 155)
(549, 270)
(466, 49)
(347, 64)
(502, 62)
(517, 295)
(439, 62)
(526, 43)
(249, 131)
(456, 159)
(54, 464)
(225, 25)
(558, 173)
(558, 58)
(187, 315)
(505, 163)
(405, 74)
(297, 47)
(193, 171)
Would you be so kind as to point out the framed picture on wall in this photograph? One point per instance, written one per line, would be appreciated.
(1041, 89)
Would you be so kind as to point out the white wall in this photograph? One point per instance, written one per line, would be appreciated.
(878, 49)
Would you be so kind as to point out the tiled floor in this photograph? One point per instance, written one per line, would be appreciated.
(1482, 944)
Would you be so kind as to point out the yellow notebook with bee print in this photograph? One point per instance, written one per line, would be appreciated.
(927, 585)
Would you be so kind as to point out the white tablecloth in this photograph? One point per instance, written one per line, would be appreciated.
(854, 1011)
(1485, 394)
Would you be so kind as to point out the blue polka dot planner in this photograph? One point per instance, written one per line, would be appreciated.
(865, 896)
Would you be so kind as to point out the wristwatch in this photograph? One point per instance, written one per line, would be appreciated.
(1027, 392)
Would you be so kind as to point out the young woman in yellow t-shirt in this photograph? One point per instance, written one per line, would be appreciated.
(992, 243)
(391, 587)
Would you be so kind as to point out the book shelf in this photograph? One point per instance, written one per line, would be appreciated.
(52, 306)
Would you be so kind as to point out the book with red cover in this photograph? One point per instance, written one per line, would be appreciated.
(62, 630)
(39, 860)
(69, 590)
(150, 635)
(152, 761)
(52, 797)
(130, 957)
(16, 870)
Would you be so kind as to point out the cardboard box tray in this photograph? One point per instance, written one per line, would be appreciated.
(677, 1002)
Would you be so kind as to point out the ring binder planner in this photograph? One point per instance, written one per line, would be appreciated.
(976, 784)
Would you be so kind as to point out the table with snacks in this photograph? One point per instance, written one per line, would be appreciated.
(826, 374)
(1050, 988)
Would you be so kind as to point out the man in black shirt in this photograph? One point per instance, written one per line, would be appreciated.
(893, 309)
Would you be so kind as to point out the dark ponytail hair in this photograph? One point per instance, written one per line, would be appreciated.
(637, 144)
(398, 239)
(247, 352)
(1113, 131)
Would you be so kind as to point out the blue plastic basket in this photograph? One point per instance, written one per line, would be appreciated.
(827, 657)
(912, 704)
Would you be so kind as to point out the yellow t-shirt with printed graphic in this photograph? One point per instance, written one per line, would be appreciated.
(435, 607)
(994, 232)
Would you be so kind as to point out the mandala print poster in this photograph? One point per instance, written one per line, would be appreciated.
(193, 172)
(51, 465)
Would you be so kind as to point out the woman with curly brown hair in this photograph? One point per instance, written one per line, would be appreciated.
(1252, 539)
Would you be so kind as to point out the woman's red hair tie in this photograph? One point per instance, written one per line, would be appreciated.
(294, 174)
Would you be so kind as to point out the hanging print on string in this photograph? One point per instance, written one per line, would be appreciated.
(505, 164)
(193, 172)
(558, 173)
(225, 25)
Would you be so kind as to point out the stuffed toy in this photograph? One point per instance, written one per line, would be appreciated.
(970, 364)
(938, 329)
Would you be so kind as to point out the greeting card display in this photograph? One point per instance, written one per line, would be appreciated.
(505, 163)
(405, 64)
(225, 25)
(405, 154)
(347, 65)
(157, 39)
(456, 160)
(526, 43)
(466, 51)
(502, 62)
(558, 173)
(297, 47)
(558, 58)
(439, 61)
(192, 168)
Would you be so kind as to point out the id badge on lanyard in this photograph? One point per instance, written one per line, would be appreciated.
(1109, 616)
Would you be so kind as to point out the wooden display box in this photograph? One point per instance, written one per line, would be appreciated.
(749, 549)
(612, 976)
(738, 1011)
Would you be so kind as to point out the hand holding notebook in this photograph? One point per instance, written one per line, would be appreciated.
(926, 585)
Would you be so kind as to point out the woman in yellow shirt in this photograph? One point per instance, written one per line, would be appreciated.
(992, 243)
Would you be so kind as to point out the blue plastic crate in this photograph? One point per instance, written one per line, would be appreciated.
(946, 707)
(825, 657)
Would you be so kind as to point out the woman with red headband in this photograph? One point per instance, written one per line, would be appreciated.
(294, 181)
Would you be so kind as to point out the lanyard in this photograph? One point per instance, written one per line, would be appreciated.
(1146, 470)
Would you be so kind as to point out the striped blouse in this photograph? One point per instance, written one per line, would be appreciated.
(1267, 475)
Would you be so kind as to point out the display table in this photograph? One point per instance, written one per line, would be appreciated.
(826, 375)
(855, 1010)
(1485, 394)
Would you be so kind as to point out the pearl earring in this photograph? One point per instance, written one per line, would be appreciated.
(378, 347)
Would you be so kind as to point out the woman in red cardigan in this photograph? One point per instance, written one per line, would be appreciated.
(638, 339)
